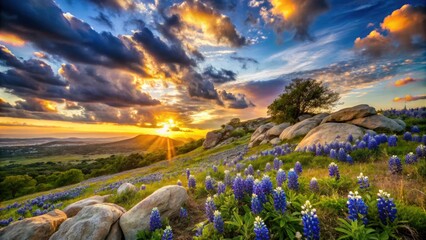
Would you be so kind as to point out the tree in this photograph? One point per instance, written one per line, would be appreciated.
(15, 186)
(69, 177)
(301, 96)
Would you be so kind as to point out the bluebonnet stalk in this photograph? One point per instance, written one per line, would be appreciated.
(349, 159)
(361, 145)
(214, 168)
(415, 129)
(228, 178)
(281, 177)
(348, 147)
(280, 202)
(154, 220)
(239, 167)
(245, 171)
(267, 184)
(293, 182)
(421, 151)
(218, 222)
(417, 138)
(333, 171)
(372, 144)
(167, 234)
(199, 230)
(333, 154)
(188, 173)
(209, 184)
(366, 138)
(258, 190)
(319, 151)
(250, 170)
(260, 230)
(313, 185)
(363, 181)
(392, 140)
(143, 187)
(267, 167)
(386, 207)
(383, 138)
(298, 168)
(221, 187)
(238, 187)
(179, 183)
(356, 207)
(350, 138)
(327, 149)
(410, 158)
(341, 156)
(407, 136)
(276, 164)
(312, 148)
(258, 172)
(248, 184)
(311, 228)
(210, 207)
(183, 214)
(395, 166)
(256, 204)
(191, 182)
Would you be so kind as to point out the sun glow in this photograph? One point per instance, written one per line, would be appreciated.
(167, 127)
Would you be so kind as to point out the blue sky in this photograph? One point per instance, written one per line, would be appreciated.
(140, 63)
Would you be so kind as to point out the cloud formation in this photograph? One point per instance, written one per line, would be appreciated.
(409, 98)
(405, 81)
(219, 76)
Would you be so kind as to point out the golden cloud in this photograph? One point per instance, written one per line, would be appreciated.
(405, 81)
(409, 98)
(11, 39)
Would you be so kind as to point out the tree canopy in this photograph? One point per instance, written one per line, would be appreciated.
(300, 97)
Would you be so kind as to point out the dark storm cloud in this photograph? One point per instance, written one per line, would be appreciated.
(237, 101)
(221, 4)
(219, 75)
(44, 24)
(35, 105)
(104, 19)
(244, 60)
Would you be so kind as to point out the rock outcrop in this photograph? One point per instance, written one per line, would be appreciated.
(72, 209)
(276, 130)
(378, 123)
(212, 139)
(260, 134)
(35, 228)
(126, 188)
(348, 114)
(168, 200)
(328, 132)
(93, 222)
(303, 127)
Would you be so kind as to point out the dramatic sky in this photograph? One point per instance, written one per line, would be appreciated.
(111, 67)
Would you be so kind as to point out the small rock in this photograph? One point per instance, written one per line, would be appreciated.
(275, 141)
(348, 114)
(126, 187)
(72, 209)
(35, 228)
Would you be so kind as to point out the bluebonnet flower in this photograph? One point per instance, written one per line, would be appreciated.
(256, 204)
(415, 129)
(348, 147)
(327, 149)
(350, 138)
(281, 177)
(258, 172)
(313, 185)
(333, 171)
(154, 220)
(417, 138)
(209, 184)
(214, 168)
(221, 187)
(421, 151)
(199, 230)
(183, 214)
(366, 138)
(424, 139)
(392, 140)
(361, 145)
(363, 181)
(239, 167)
(248, 184)
(311, 228)
(143, 187)
(372, 144)
(333, 154)
(386, 207)
(267, 184)
(188, 173)
(258, 190)
(383, 138)
(319, 151)
(250, 170)
(280, 202)
(395, 165)
(298, 168)
(191, 182)
(407, 136)
(21, 211)
(245, 171)
(260, 230)
(238, 187)
(312, 148)
(410, 158)
(179, 183)
(5, 222)
(228, 178)
(218, 222)
(276, 164)
(341, 156)
(334, 144)
(210, 207)
(293, 182)
(356, 207)
(349, 159)
(167, 234)
(267, 167)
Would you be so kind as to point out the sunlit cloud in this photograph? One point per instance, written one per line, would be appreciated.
(409, 98)
(11, 39)
(405, 81)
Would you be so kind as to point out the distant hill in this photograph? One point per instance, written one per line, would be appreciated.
(143, 143)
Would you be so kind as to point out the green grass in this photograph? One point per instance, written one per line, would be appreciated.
(56, 159)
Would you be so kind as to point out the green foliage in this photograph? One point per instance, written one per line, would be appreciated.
(14, 186)
(365, 155)
(145, 235)
(69, 177)
(237, 133)
(188, 147)
(301, 96)
(282, 226)
(414, 216)
(242, 225)
(355, 230)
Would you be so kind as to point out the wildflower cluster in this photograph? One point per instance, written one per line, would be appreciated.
(363, 181)
(293, 182)
(333, 171)
(311, 228)
(386, 207)
(395, 166)
(154, 220)
(260, 230)
(356, 207)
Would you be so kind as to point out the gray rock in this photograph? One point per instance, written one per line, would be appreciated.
(348, 114)
(258, 140)
(275, 141)
(378, 123)
(72, 209)
(91, 223)
(260, 130)
(126, 188)
(328, 132)
(34, 228)
(168, 200)
(115, 232)
(212, 139)
(265, 141)
(228, 128)
(304, 116)
(235, 122)
(303, 127)
(276, 130)
(400, 122)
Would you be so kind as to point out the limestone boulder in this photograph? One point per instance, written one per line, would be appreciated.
(348, 114)
(212, 139)
(303, 127)
(168, 200)
(93, 222)
(400, 122)
(328, 132)
(378, 123)
(276, 130)
(275, 141)
(261, 130)
(34, 228)
(72, 209)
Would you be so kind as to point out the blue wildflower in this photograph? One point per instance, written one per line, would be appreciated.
(260, 230)
(356, 207)
(214, 168)
(333, 154)
(267, 184)
(350, 138)
(281, 177)
(363, 181)
(361, 145)
(349, 159)
(258, 190)
(188, 173)
(218, 222)
(392, 140)
(183, 214)
(395, 165)
(221, 187)
(280, 203)
(209, 184)
(341, 156)
(267, 167)
(407, 136)
(248, 184)
(276, 164)
(327, 149)
(210, 207)
(167, 234)
(179, 183)
(333, 171)
(415, 129)
(311, 228)
(410, 158)
(191, 182)
(239, 167)
(348, 147)
(421, 151)
(154, 220)
(298, 168)
(386, 207)
(256, 204)
(319, 151)
(250, 170)
(238, 187)
(228, 178)
(313, 185)
(293, 182)
(372, 144)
